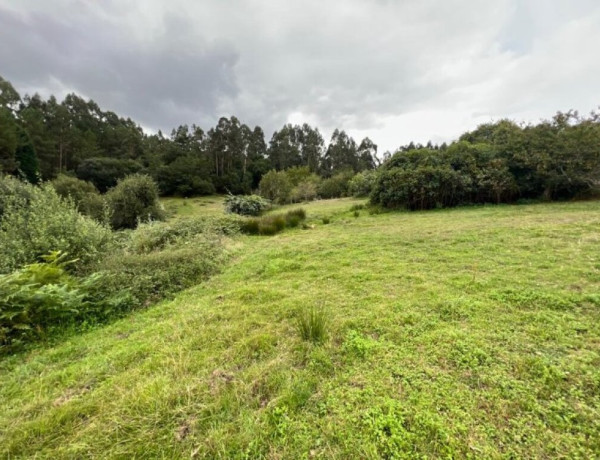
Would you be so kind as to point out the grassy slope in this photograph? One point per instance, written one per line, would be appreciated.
(468, 332)
(188, 207)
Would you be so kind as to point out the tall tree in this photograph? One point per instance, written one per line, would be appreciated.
(367, 154)
(27, 161)
(342, 154)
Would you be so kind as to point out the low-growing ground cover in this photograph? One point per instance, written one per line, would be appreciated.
(471, 332)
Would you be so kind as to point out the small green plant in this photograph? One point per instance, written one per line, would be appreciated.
(357, 344)
(356, 214)
(326, 220)
(312, 325)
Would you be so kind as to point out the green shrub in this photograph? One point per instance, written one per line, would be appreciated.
(298, 174)
(356, 214)
(44, 295)
(312, 325)
(68, 186)
(275, 186)
(246, 205)
(154, 235)
(357, 207)
(326, 220)
(84, 194)
(336, 186)
(95, 206)
(12, 189)
(304, 191)
(362, 183)
(154, 275)
(134, 200)
(104, 172)
(39, 221)
(425, 187)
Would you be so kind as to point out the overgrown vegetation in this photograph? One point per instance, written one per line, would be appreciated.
(497, 163)
(43, 295)
(456, 334)
(36, 221)
(133, 200)
(108, 274)
(246, 205)
(273, 224)
(459, 333)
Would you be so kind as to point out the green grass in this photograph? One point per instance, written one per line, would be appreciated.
(465, 333)
(191, 207)
(177, 208)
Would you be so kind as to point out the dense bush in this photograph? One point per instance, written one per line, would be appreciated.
(305, 191)
(497, 162)
(335, 186)
(154, 236)
(425, 187)
(276, 186)
(36, 221)
(85, 196)
(362, 183)
(13, 189)
(104, 172)
(68, 186)
(185, 176)
(44, 295)
(134, 200)
(154, 275)
(246, 205)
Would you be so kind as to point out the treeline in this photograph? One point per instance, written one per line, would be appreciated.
(497, 163)
(40, 139)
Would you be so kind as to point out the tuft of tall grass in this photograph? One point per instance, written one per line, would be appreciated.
(273, 224)
(312, 325)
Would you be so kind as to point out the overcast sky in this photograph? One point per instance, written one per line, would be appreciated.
(393, 70)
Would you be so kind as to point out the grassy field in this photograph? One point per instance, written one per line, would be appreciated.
(188, 207)
(464, 333)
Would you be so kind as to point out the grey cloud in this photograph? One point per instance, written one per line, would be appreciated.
(161, 83)
(374, 67)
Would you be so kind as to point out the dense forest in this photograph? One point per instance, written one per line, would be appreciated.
(497, 162)
(41, 139)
